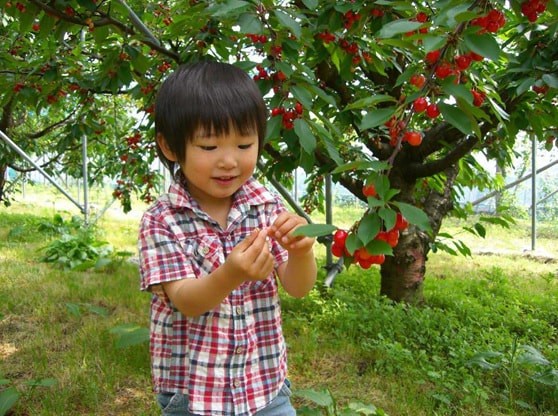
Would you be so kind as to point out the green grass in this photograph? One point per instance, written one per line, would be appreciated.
(56, 324)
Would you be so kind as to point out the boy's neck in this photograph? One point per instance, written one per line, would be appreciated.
(219, 212)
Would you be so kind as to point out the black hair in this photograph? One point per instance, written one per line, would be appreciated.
(208, 95)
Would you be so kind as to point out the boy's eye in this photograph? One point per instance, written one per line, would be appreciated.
(245, 146)
(208, 148)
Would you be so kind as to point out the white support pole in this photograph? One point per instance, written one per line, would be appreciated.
(85, 162)
(24, 155)
(533, 192)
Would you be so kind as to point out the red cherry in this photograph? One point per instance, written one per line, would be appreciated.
(443, 70)
(414, 138)
(475, 56)
(339, 237)
(420, 104)
(382, 236)
(36, 27)
(369, 190)
(418, 80)
(432, 57)
(478, 98)
(432, 111)
(337, 250)
(400, 222)
(280, 76)
(422, 17)
(365, 264)
(463, 61)
(277, 111)
(379, 259)
(393, 237)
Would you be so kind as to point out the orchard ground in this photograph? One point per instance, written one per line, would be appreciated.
(404, 360)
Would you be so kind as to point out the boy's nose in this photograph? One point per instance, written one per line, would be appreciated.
(227, 161)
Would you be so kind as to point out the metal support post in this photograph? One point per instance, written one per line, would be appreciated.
(85, 162)
(24, 155)
(533, 192)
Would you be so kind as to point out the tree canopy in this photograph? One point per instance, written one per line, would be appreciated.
(391, 98)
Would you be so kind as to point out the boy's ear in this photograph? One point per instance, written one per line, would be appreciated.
(163, 145)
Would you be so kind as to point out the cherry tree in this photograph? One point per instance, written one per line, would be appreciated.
(392, 99)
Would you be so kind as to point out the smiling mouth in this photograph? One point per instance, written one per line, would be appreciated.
(224, 178)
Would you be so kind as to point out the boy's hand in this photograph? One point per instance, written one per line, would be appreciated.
(282, 229)
(251, 259)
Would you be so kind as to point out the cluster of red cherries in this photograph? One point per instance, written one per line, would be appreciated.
(288, 115)
(361, 256)
(531, 9)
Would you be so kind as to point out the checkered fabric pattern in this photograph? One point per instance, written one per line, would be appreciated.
(230, 360)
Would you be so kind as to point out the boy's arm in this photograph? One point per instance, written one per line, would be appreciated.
(298, 274)
(249, 260)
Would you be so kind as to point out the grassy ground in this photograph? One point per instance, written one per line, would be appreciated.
(57, 326)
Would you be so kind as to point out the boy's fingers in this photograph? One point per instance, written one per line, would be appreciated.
(257, 244)
(247, 242)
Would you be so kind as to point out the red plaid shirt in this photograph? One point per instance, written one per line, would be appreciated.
(232, 359)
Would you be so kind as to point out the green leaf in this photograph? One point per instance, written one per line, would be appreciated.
(456, 118)
(305, 135)
(414, 215)
(368, 228)
(320, 398)
(314, 230)
(389, 216)
(229, 8)
(479, 228)
(532, 356)
(481, 360)
(484, 45)
(525, 85)
(302, 95)
(431, 43)
(249, 23)
(397, 27)
(375, 165)
(550, 80)
(44, 382)
(363, 409)
(353, 243)
(370, 101)
(8, 398)
(376, 117)
(73, 309)
(273, 128)
(457, 90)
(311, 4)
(289, 22)
(376, 247)
(130, 334)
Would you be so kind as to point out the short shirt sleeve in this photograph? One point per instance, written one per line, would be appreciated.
(163, 257)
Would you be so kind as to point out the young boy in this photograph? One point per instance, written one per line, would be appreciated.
(212, 250)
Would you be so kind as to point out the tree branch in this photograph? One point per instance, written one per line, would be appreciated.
(106, 20)
(415, 171)
(48, 129)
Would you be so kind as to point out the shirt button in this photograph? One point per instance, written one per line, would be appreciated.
(236, 384)
(238, 310)
(204, 251)
(239, 350)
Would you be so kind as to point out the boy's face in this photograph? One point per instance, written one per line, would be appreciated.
(215, 167)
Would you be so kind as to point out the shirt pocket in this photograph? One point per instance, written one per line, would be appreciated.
(205, 254)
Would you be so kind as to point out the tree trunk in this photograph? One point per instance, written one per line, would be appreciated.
(5, 124)
(402, 275)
